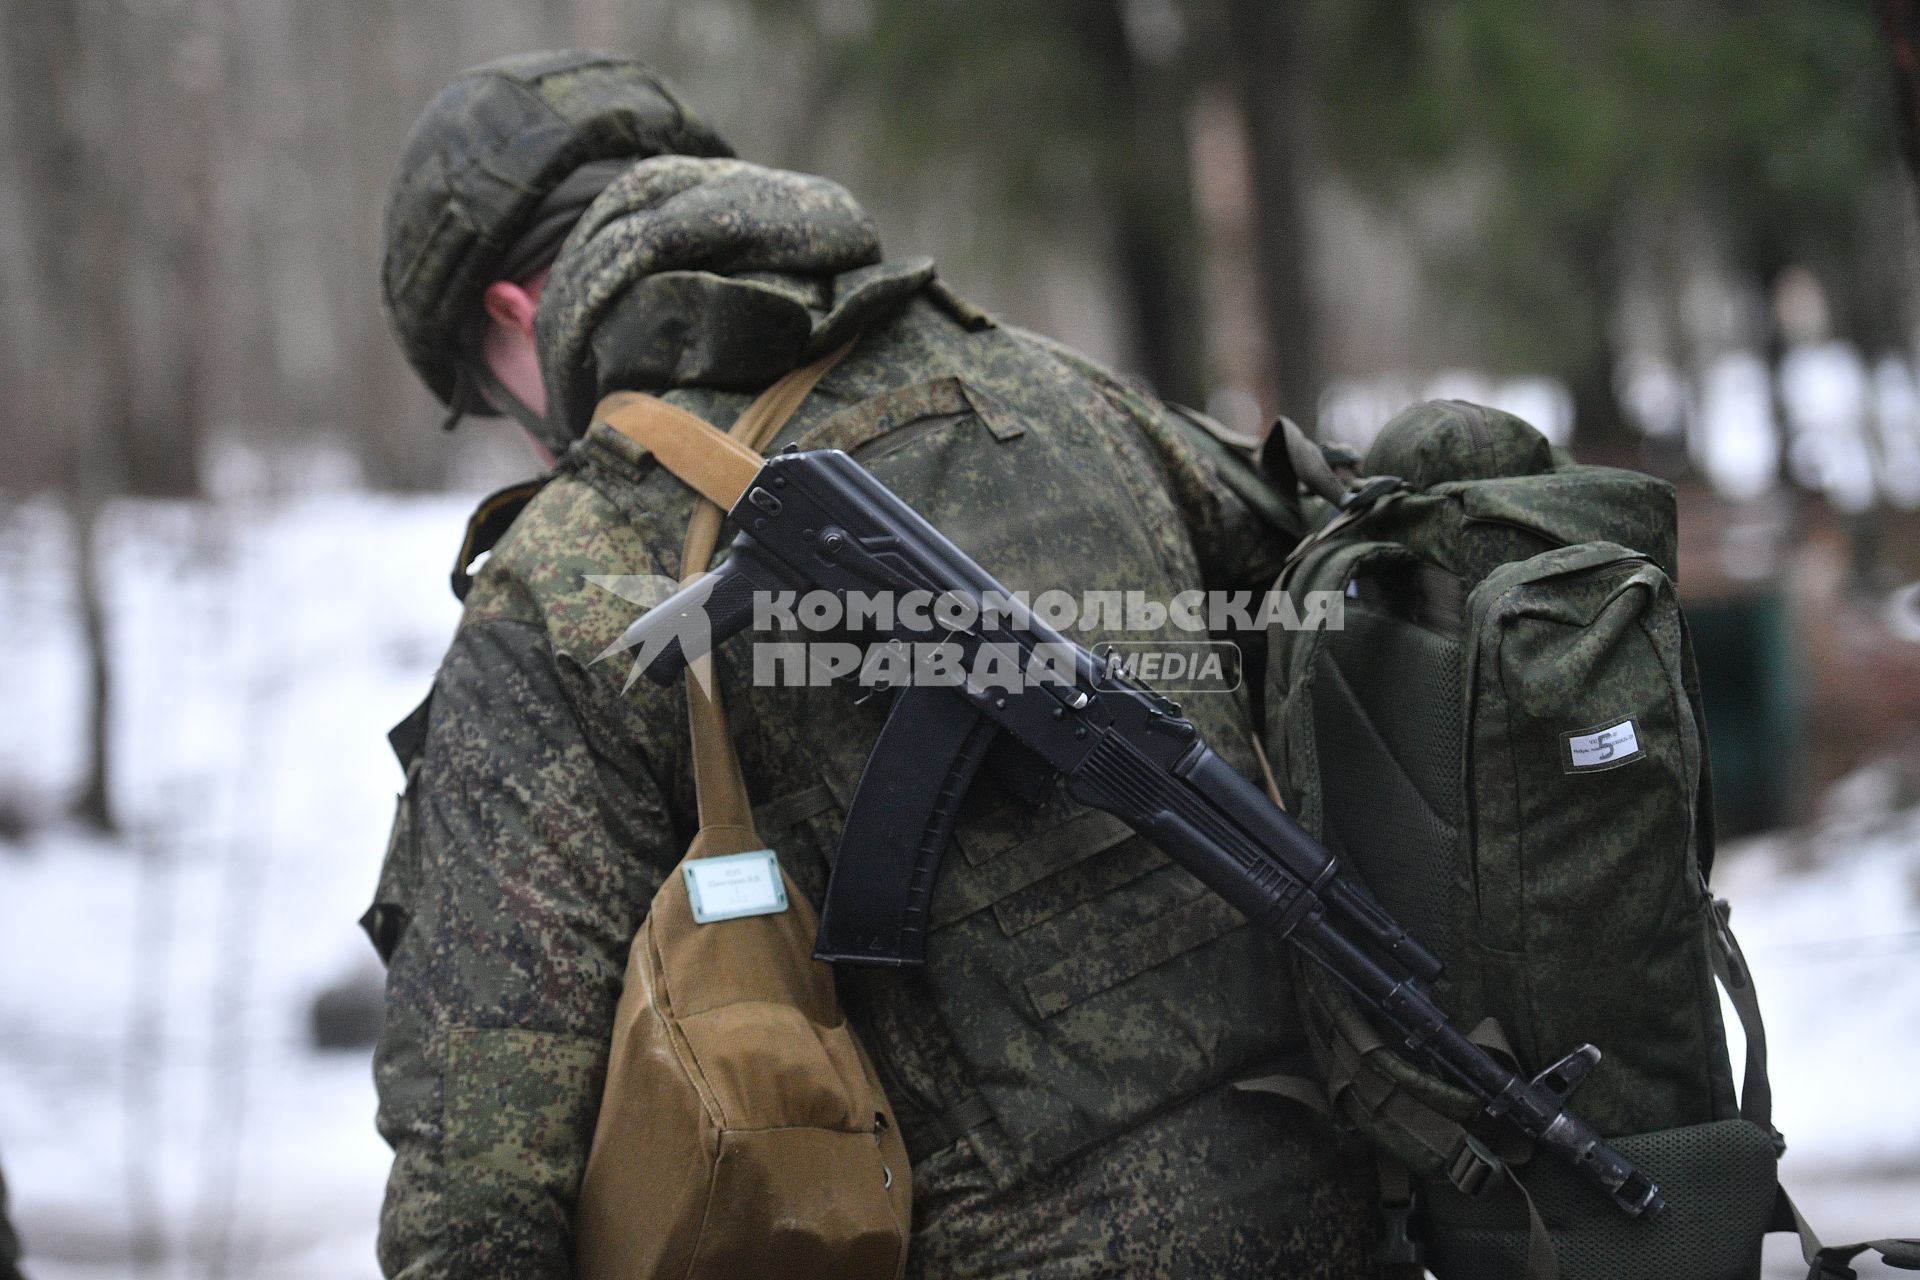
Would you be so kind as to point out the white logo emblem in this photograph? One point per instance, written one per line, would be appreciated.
(691, 628)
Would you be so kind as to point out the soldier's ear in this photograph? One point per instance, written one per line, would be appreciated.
(512, 305)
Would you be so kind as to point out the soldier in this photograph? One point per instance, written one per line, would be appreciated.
(563, 226)
(9, 1242)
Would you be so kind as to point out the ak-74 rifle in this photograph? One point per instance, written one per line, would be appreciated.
(818, 521)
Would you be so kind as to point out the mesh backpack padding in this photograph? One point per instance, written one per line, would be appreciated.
(1719, 1181)
(1388, 708)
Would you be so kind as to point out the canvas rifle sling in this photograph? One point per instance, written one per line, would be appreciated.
(719, 466)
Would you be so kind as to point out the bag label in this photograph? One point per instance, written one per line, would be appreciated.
(740, 884)
(1605, 747)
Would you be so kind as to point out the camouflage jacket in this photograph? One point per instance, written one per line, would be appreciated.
(1062, 1066)
(9, 1242)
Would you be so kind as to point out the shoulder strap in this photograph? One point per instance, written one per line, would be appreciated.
(1831, 1261)
(1277, 507)
(1824, 1261)
(719, 466)
(715, 464)
(1292, 458)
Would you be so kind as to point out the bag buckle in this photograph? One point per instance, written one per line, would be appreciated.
(1370, 491)
(1399, 1247)
(1473, 1167)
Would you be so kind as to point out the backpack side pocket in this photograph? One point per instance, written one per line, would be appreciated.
(1584, 776)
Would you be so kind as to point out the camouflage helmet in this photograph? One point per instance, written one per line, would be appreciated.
(484, 154)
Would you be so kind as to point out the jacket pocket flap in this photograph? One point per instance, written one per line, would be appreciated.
(1192, 924)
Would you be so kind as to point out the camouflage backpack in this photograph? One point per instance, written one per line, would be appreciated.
(1504, 740)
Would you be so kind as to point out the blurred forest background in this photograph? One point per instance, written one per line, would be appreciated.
(1675, 232)
(1679, 235)
(1244, 202)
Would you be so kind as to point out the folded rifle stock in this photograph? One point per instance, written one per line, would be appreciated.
(819, 521)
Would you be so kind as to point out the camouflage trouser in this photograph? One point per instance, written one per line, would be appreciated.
(1229, 1186)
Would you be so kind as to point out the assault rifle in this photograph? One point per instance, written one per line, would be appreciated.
(819, 521)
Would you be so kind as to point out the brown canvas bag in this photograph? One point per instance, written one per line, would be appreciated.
(743, 1131)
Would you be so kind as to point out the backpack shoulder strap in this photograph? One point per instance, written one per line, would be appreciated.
(1824, 1261)
(1277, 506)
(1292, 458)
(1830, 1261)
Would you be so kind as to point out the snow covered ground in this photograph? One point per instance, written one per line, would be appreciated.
(161, 1114)
(1830, 922)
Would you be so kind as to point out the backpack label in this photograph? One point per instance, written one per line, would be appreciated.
(741, 884)
(1605, 747)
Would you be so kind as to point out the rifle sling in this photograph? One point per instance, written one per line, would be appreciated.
(718, 466)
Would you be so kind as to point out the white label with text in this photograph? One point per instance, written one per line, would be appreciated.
(740, 884)
(1603, 748)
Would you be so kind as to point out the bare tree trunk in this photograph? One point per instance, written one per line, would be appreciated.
(1600, 423)
(94, 805)
(79, 216)
(1902, 21)
(100, 453)
(164, 230)
(1264, 51)
(1156, 236)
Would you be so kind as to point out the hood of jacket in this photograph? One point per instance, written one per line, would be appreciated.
(693, 271)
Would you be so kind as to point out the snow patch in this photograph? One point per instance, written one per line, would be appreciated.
(157, 1096)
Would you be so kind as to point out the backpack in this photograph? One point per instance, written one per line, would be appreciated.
(1503, 738)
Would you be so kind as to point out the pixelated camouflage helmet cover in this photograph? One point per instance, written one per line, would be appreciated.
(484, 154)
